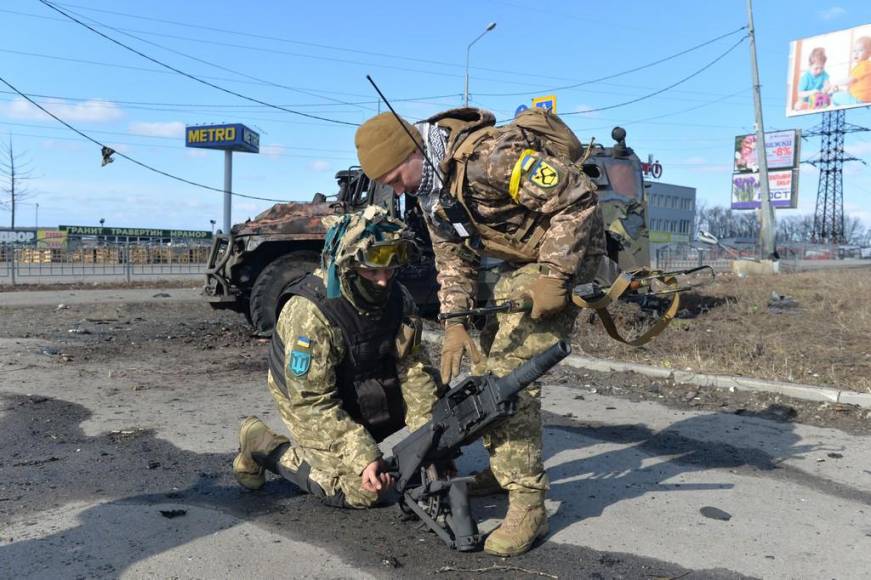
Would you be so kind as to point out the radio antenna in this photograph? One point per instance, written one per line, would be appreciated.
(404, 128)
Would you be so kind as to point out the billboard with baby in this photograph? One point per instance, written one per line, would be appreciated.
(829, 72)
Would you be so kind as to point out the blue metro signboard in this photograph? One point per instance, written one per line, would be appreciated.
(232, 137)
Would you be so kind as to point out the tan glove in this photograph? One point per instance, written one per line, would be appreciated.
(456, 341)
(549, 296)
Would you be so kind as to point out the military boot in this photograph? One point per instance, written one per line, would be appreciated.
(257, 444)
(525, 522)
(484, 483)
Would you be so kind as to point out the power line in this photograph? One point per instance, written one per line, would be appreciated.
(231, 107)
(190, 76)
(262, 36)
(513, 74)
(222, 67)
(291, 41)
(127, 157)
(622, 73)
(277, 153)
(316, 57)
(664, 89)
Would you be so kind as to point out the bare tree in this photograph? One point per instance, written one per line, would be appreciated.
(854, 231)
(795, 228)
(15, 173)
(725, 223)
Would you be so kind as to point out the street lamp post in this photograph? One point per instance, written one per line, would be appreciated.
(213, 226)
(36, 218)
(490, 27)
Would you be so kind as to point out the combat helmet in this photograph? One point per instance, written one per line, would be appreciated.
(367, 239)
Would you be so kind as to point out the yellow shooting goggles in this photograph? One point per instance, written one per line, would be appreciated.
(389, 254)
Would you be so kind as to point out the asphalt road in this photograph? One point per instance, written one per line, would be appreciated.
(116, 464)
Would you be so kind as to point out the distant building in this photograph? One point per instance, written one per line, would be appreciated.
(671, 215)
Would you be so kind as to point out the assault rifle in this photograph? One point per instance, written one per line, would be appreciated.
(626, 286)
(420, 462)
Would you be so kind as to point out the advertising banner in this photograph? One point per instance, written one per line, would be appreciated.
(17, 236)
(782, 186)
(829, 72)
(51, 239)
(136, 232)
(782, 150)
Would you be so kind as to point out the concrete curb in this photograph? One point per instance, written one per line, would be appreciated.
(794, 390)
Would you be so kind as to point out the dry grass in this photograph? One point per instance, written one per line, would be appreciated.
(728, 328)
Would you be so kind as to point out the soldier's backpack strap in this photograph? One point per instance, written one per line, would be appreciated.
(523, 245)
(617, 289)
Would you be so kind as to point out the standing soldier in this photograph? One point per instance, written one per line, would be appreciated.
(514, 193)
(344, 368)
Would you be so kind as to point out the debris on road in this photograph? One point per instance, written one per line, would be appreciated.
(715, 513)
(173, 513)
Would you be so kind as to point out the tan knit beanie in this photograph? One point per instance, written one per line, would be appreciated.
(382, 144)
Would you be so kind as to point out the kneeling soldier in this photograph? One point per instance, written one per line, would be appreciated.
(344, 368)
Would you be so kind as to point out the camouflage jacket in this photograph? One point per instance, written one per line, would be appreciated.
(504, 182)
(316, 417)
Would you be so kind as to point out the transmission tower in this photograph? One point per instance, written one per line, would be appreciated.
(829, 212)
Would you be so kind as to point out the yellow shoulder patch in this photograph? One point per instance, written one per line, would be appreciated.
(521, 167)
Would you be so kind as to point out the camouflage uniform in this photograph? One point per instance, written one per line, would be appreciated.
(345, 367)
(570, 248)
(325, 437)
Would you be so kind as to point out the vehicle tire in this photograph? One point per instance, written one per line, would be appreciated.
(271, 282)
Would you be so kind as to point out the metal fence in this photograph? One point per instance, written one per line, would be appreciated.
(792, 255)
(121, 261)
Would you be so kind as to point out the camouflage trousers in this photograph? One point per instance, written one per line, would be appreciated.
(515, 446)
(335, 482)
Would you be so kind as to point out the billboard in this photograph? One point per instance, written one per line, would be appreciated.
(782, 189)
(782, 150)
(50, 238)
(829, 72)
(136, 232)
(17, 235)
(234, 137)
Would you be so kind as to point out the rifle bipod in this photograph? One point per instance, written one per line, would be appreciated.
(441, 502)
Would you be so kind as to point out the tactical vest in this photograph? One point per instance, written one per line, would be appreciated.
(542, 131)
(366, 378)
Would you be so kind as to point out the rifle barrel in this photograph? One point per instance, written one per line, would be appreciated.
(525, 374)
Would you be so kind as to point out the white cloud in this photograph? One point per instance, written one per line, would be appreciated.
(319, 166)
(584, 110)
(92, 111)
(56, 145)
(832, 13)
(120, 147)
(859, 149)
(273, 151)
(166, 129)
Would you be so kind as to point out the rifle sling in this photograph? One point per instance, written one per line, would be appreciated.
(617, 289)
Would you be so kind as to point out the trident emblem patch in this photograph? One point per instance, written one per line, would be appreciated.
(300, 357)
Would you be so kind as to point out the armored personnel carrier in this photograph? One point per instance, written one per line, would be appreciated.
(250, 266)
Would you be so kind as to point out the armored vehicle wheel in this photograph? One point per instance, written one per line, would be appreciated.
(271, 281)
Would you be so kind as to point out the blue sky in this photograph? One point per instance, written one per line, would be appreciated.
(314, 57)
